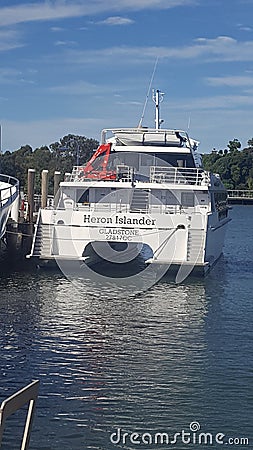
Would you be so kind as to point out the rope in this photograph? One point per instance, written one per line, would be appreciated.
(18, 233)
(163, 244)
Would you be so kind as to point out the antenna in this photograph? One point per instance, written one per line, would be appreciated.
(189, 123)
(147, 96)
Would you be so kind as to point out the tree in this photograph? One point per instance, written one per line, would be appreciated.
(234, 145)
(235, 167)
(74, 148)
(250, 143)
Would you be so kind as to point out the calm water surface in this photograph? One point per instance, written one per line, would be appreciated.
(152, 363)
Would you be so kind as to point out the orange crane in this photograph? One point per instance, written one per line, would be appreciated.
(100, 172)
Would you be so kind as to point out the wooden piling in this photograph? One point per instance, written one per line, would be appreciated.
(44, 188)
(30, 194)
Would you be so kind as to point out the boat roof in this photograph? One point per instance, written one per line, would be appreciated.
(147, 136)
(149, 140)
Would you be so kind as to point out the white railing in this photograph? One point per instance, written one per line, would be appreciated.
(78, 175)
(240, 193)
(75, 175)
(8, 193)
(110, 207)
(27, 395)
(158, 174)
(179, 175)
(159, 208)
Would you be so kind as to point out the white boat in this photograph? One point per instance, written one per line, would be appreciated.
(143, 193)
(9, 191)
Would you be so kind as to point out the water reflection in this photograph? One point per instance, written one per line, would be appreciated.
(101, 359)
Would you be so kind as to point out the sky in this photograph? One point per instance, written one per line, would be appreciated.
(78, 66)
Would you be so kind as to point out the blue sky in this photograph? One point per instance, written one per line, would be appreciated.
(77, 66)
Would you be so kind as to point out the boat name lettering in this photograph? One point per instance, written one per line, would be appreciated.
(119, 220)
(119, 231)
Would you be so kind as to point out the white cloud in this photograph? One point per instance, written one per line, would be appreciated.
(57, 29)
(116, 20)
(28, 12)
(242, 27)
(231, 81)
(8, 75)
(65, 43)
(222, 48)
(85, 88)
(9, 39)
(218, 102)
(77, 88)
(60, 9)
(246, 28)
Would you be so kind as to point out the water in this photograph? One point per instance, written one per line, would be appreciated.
(157, 362)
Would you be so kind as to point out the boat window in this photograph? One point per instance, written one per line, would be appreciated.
(165, 197)
(220, 199)
(132, 160)
(174, 159)
(147, 159)
(138, 160)
(124, 158)
(82, 196)
(187, 199)
(171, 199)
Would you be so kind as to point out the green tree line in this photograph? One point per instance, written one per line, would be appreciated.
(234, 165)
(61, 156)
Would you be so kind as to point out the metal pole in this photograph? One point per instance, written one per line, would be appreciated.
(77, 153)
(157, 98)
(157, 111)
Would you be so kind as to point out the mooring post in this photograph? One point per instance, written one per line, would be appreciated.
(44, 188)
(30, 194)
(57, 179)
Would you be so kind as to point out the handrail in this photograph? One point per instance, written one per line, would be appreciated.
(174, 175)
(240, 193)
(8, 193)
(9, 406)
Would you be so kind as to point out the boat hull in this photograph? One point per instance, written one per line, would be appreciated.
(179, 243)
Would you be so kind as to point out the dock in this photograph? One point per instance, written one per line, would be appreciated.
(240, 197)
(19, 231)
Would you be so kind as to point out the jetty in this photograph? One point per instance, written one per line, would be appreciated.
(19, 232)
(240, 197)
